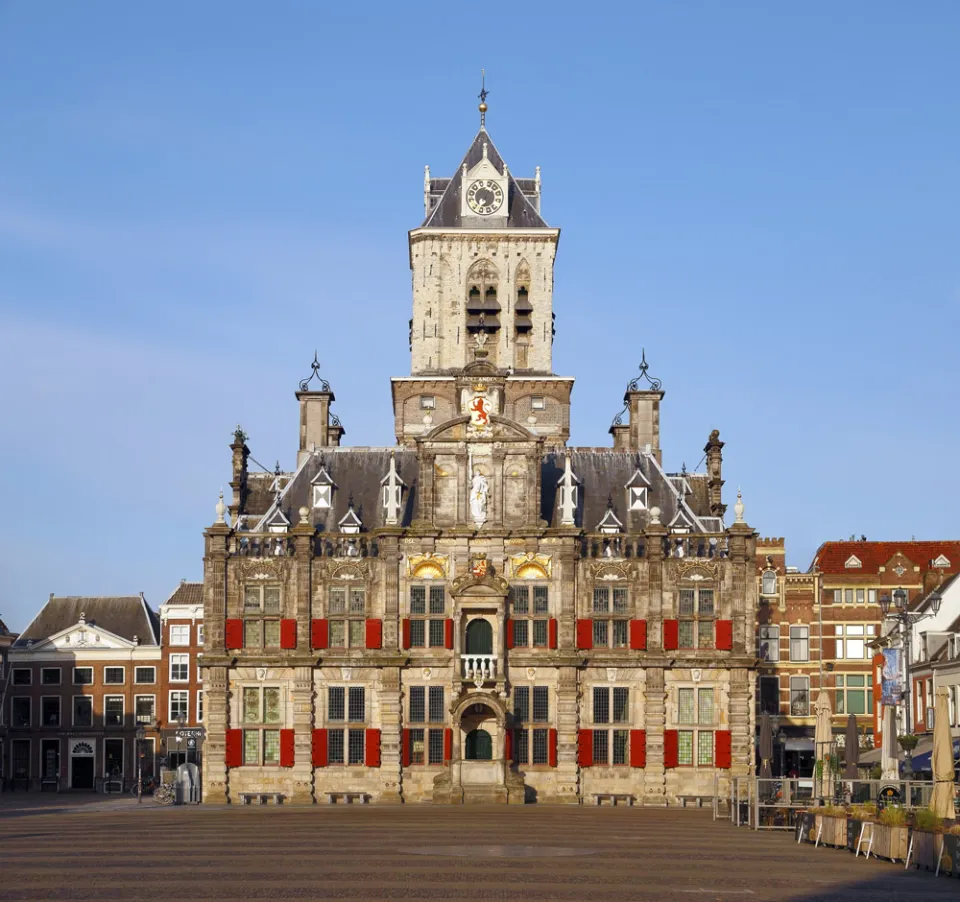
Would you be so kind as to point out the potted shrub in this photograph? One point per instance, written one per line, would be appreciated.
(859, 814)
(891, 833)
(927, 839)
(950, 861)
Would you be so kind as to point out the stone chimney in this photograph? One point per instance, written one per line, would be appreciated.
(319, 428)
(642, 407)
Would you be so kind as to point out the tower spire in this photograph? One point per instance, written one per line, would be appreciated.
(483, 98)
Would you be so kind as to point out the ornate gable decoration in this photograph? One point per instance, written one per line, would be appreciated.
(853, 562)
(696, 571)
(480, 572)
(358, 570)
(262, 568)
(610, 571)
(86, 635)
(530, 566)
(427, 566)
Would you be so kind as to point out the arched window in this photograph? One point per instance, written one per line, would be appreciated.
(479, 638)
(483, 306)
(478, 746)
(768, 583)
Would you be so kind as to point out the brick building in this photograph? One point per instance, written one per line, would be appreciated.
(82, 677)
(481, 612)
(7, 638)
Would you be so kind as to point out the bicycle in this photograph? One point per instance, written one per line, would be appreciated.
(164, 794)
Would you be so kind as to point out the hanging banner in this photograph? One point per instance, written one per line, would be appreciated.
(892, 681)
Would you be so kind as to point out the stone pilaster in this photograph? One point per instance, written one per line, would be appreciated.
(741, 730)
(390, 571)
(741, 542)
(567, 785)
(653, 542)
(391, 770)
(215, 697)
(654, 783)
(303, 720)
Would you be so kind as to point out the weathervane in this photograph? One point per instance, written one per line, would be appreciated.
(634, 384)
(314, 373)
(483, 97)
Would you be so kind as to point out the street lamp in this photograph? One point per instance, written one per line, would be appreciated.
(141, 733)
(181, 720)
(899, 611)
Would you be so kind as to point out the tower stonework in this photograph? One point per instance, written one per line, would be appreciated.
(480, 612)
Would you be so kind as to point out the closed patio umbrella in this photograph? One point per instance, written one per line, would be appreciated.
(766, 746)
(942, 802)
(852, 750)
(823, 744)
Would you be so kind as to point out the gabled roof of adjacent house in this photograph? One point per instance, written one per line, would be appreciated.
(521, 213)
(186, 593)
(123, 615)
(832, 557)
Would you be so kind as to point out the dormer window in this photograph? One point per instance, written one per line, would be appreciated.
(768, 583)
(853, 562)
(941, 561)
(350, 523)
(609, 525)
(278, 522)
(637, 498)
(321, 496)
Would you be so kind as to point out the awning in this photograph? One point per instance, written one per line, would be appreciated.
(798, 745)
(923, 761)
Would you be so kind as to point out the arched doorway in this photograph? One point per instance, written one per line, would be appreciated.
(81, 765)
(479, 638)
(478, 746)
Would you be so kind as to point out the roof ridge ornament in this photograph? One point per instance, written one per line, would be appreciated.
(482, 96)
(634, 384)
(314, 374)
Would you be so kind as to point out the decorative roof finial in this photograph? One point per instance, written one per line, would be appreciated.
(483, 98)
(738, 507)
(655, 384)
(221, 509)
(314, 374)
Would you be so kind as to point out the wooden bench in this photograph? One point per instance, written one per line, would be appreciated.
(614, 798)
(348, 797)
(696, 799)
(247, 798)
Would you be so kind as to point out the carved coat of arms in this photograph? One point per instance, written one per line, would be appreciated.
(479, 409)
(479, 567)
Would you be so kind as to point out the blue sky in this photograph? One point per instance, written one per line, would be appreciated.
(194, 196)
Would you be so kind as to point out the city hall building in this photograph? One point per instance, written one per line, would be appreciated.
(479, 613)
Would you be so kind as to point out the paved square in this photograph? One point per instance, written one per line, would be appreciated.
(116, 851)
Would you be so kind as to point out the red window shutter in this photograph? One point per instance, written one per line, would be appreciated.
(671, 748)
(374, 634)
(319, 633)
(638, 748)
(508, 631)
(288, 633)
(552, 748)
(448, 744)
(234, 634)
(638, 634)
(234, 748)
(405, 630)
(405, 747)
(585, 748)
(722, 752)
(724, 635)
(448, 633)
(508, 746)
(287, 748)
(671, 635)
(584, 634)
(372, 750)
(319, 748)
(551, 633)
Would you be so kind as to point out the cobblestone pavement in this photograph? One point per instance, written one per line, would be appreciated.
(421, 852)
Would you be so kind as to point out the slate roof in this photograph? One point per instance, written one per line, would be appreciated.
(521, 212)
(831, 557)
(603, 473)
(123, 615)
(4, 631)
(187, 593)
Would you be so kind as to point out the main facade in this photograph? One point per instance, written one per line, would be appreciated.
(479, 613)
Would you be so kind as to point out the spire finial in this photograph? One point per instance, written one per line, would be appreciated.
(483, 97)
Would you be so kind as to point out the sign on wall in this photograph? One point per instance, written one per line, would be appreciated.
(892, 679)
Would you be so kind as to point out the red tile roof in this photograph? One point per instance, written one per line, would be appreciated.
(831, 556)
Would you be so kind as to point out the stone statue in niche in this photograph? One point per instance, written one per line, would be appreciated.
(478, 497)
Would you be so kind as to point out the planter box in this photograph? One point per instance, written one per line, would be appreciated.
(853, 833)
(890, 842)
(951, 853)
(926, 849)
(834, 831)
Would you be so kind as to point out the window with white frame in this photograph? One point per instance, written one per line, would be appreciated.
(530, 615)
(21, 676)
(346, 705)
(50, 711)
(426, 705)
(199, 634)
(199, 706)
(851, 640)
(179, 668)
(769, 644)
(768, 583)
(145, 709)
(800, 696)
(82, 676)
(531, 714)
(696, 719)
(260, 717)
(428, 606)
(113, 710)
(179, 704)
(145, 675)
(697, 614)
(610, 613)
(261, 615)
(179, 633)
(50, 676)
(854, 693)
(322, 496)
(611, 705)
(428, 402)
(800, 643)
(21, 711)
(82, 711)
(347, 611)
(637, 498)
(114, 676)
(768, 698)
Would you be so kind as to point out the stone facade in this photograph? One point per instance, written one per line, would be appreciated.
(480, 613)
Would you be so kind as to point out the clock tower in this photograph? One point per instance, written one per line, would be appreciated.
(482, 266)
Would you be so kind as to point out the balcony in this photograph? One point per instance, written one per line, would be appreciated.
(479, 667)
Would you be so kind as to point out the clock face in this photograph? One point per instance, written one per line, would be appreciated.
(484, 196)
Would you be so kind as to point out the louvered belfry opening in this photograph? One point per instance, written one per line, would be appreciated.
(483, 307)
(523, 311)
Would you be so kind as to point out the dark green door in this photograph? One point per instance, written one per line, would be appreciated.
(479, 638)
(479, 746)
